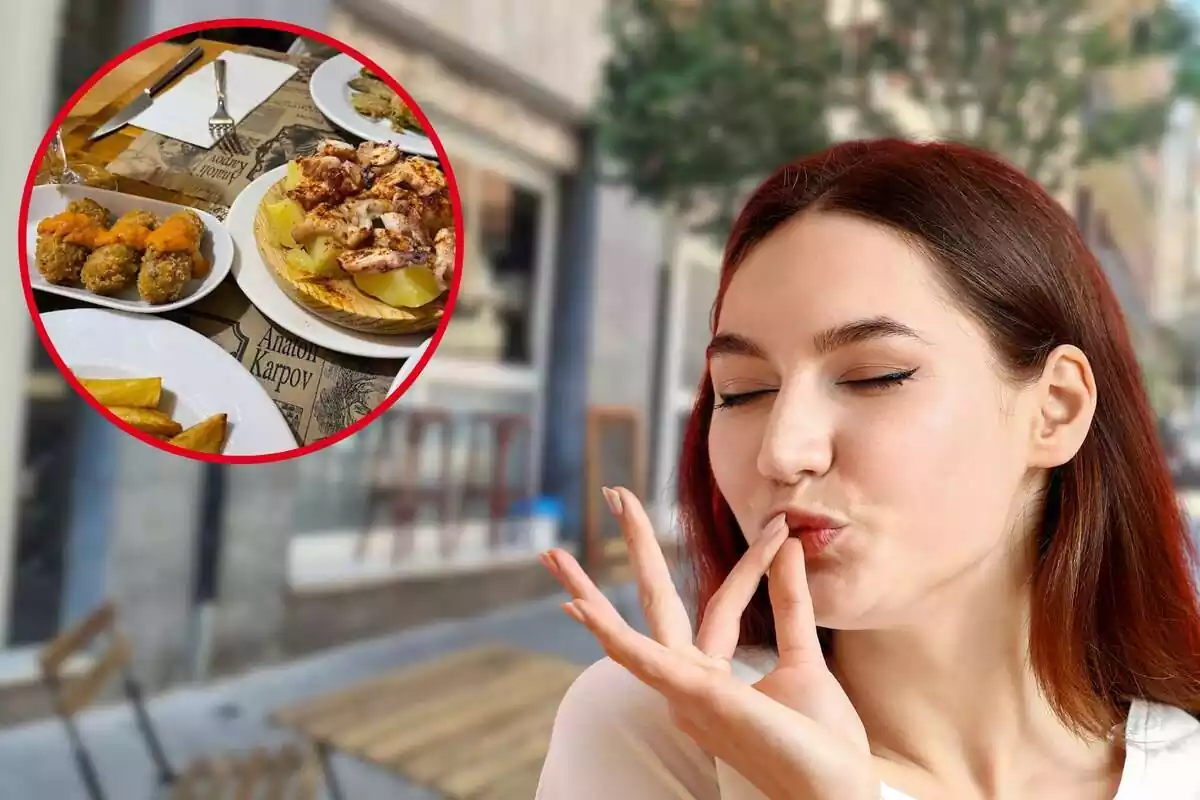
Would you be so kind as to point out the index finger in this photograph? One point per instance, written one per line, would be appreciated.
(719, 632)
(791, 605)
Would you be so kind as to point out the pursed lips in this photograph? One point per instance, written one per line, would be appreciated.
(815, 531)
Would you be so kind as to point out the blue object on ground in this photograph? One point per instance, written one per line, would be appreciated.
(543, 506)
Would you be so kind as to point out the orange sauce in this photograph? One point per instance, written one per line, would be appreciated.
(176, 234)
(199, 265)
(74, 228)
(126, 232)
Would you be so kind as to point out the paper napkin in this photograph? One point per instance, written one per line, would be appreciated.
(182, 112)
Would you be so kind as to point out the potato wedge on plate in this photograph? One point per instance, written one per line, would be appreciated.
(125, 392)
(136, 401)
(206, 436)
(148, 420)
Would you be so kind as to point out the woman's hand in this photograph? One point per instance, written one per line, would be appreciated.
(793, 734)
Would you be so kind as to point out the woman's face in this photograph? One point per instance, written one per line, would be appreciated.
(848, 385)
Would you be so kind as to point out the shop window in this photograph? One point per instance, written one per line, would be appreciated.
(495, 312)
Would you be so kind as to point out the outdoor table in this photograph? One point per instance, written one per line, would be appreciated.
(474, 725)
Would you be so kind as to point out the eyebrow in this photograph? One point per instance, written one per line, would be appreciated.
(825, 342)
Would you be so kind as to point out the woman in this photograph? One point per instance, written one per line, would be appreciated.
(923, 422)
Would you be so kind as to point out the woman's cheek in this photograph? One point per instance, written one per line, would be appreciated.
(931, 464)
(733, 447)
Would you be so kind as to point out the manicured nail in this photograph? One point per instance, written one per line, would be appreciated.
(614, 501)
(776, 527)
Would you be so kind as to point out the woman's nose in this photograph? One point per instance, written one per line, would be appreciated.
(797, 441)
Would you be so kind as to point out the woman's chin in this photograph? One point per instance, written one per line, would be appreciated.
(840, 604)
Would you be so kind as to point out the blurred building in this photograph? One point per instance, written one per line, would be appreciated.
(220, 569)
(572, 359)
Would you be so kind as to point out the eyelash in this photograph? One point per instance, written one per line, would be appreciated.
(891, 380)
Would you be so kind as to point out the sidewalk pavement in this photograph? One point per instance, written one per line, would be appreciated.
(231, 715)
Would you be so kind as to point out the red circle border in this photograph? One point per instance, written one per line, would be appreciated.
(455, 201)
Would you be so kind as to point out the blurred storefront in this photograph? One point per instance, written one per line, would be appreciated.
(556, 312)
(217, 570)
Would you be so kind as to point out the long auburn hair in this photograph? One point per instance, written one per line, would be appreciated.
(1115, 614)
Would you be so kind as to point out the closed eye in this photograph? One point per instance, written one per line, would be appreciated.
(890, 380)
(882, 381)
(741, 398)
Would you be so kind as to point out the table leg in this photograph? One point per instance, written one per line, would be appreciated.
(324, 752)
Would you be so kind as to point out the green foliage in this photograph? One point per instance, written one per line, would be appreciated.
(700, 101)
(702, 98)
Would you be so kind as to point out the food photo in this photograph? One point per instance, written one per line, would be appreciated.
(290, 210)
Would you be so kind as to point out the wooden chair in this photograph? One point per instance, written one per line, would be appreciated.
(405, 494)
(73, 695)
(604, 422)
(291, 772)
(494, 433)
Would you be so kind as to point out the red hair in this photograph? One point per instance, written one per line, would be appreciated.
(1115, 613)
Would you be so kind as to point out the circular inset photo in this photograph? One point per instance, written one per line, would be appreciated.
(241, 244)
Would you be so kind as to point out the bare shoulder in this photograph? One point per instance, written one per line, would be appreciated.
(613, 737)
(606, 696)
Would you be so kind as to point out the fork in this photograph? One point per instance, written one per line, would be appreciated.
(220, 124)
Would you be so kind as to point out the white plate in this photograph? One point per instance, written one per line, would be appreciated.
(48, 200)
(332, 96)
(199, 378)
(258, 284)
(409, 365)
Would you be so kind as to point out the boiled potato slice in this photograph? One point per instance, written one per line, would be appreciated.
(282, 218)
(206, 436)
(301, 263)
(148, 420)
(324, 251)
(411, 287)
(318, 260)
(294, 176)
(127, 392)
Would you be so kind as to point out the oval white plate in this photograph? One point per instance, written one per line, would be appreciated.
(48, 200)
(332, 96)
(199, 378)
(256, 281)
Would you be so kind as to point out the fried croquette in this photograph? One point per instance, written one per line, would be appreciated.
(163, 276)
(146, 219)
(58, 260)
(91, 208)
(110, 269)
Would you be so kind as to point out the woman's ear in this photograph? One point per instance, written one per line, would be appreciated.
(1066, 403)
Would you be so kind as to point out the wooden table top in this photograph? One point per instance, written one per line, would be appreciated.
(474, 725)
(107, 97)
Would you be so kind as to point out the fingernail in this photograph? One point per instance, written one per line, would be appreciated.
(614, 501)
(547, 559)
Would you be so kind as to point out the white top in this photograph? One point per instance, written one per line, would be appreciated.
(613, 738)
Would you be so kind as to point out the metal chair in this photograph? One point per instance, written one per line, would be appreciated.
(73, 695)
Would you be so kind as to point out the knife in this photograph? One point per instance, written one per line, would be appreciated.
(140, 103)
